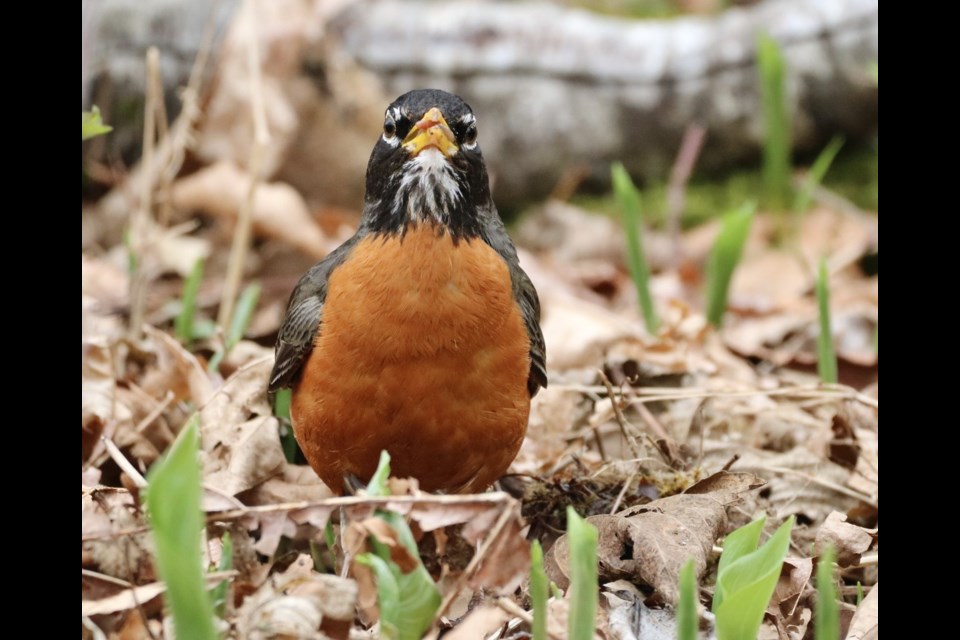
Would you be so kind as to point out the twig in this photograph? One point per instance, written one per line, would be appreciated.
(516, 611)
(261, 138)
(690, 146)
(140, 220)
(623, 492)
(138, 480)
(96, 575)
(826, 484)
(661, 394)
(147, 420)
(618, 414)
(394, 503)
(478, 557)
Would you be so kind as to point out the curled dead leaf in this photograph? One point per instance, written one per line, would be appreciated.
(848, 540)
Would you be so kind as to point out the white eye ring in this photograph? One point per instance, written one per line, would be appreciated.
(390, 131)
(470, 134)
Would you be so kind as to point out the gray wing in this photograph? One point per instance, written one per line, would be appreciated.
(303, 318)
(495, 235)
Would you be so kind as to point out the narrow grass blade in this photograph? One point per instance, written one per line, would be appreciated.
(826, 357)
(239, 321)
(220, 592)
(583, 577)
(242, 314)
(776, 123)
(539, 591)
(378, 483)
(173, 502)
(815, 176)
(687, 616)
(724, 258)
(827, 615)
(747, 584)
(629, 198)
(183, 325)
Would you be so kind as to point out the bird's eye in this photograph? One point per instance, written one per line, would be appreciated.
(470, 136)
(389, 128)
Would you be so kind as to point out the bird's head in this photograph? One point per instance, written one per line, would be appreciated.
(426, 168)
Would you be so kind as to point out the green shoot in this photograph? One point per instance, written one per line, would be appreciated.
(815, 176)
(184, 324)
(746, 577)
(91, 125)
(173, 502)
(827, 617)
(629, 198)
(687, 616)
(220, 592)
(239, 322)
(859, 593)
(539, 591)
(583, 577)
(776, 123)
(724, 257)
(407, 601)
(281, 409)
(826, 358)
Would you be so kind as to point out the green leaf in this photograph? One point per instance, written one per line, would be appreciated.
(629, 198)
(378, 483)
(173, 502)
(724, 258)
(827, 614)
(826, 357)
(776, 122)
(737, 544)
(747, 583)
(407, 602)
(242, 315)
(219, 593)
(246, 305)
(687, 617)
(183, 325)
(582, 538)
(816, 174)
(91, 125)
(539, 591)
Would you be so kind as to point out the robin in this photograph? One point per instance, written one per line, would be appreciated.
(420, 334)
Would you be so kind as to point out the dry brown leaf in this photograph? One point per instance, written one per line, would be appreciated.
(798, 481)
(479, 623)
(176, 370)
(273, 526)
(848, 540)
(97, 394)
(296, 483)
(278, 210)
(793, 583)
(240, 438)
(726, 485)
(628, 618)
(299, 603)
(507, 561)
(651, 543)
(866, 621)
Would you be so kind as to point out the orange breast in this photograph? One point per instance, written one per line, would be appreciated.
(422, 352)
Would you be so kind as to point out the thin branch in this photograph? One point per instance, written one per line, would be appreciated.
(625, 427)
(261, 138)
(138, 480)
(690, 146)
(140, 221)
(478, 557)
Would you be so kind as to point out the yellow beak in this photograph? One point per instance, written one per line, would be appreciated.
(431, 131)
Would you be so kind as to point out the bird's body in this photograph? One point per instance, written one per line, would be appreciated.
(420, 334)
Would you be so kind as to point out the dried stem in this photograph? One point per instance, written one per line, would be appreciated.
(261, 138)
(690, 147)
(140, 221)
